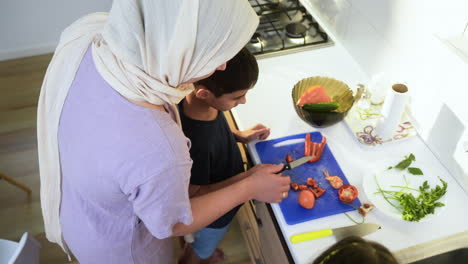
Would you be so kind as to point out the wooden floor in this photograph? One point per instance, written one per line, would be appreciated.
(20, 82)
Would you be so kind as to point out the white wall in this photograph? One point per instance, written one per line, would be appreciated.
(403, 39)
(32, 27)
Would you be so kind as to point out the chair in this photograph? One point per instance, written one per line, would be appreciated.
(26, 251)
(17, 184)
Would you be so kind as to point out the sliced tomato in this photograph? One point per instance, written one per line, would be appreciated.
(307, 145)
(289, 159)
(317, 149)
(315, 94)
(324, 141)
(321, 146)
(313, 152)
(347, 193)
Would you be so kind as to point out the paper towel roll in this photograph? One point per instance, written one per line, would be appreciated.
(392, 110)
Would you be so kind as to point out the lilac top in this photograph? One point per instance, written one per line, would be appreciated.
(125, 175)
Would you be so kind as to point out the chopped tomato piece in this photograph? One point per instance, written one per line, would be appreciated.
(295, 186)
(302, 187)
(311, 182)
(313, 190)
(318, 191)
(289, 159)
(347, 193)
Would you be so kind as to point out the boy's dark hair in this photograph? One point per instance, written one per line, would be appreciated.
(241, 73)
(353, 250)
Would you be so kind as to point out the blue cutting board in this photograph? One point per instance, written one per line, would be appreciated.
(327, 204)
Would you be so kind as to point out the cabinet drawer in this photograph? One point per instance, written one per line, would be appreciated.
(274, 251)
(249, 228)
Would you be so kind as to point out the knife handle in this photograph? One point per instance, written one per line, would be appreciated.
(310, 235)
(285, 167)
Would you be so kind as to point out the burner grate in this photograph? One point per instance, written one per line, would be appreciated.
(284, 26)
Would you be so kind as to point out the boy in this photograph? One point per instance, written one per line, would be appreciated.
(216, 158)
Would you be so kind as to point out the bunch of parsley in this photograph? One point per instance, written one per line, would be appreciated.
(415, 208)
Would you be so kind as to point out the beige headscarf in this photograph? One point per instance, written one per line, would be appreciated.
(145, 49)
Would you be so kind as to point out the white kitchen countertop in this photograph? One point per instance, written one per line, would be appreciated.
(270, 103)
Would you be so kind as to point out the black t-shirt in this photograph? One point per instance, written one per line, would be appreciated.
(215, 154)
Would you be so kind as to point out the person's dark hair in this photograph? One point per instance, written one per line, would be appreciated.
(353, 250)
(241, 73)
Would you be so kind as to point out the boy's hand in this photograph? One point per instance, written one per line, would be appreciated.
(266, 185)
(258, 131)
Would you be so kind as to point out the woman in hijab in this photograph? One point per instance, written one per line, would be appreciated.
(114, 163)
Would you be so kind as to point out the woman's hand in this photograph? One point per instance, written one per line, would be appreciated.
(258, 131)
(267, 186)
(262, 184)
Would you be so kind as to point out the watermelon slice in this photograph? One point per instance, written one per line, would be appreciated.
(315, 94)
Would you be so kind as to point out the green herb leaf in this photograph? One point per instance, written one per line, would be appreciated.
(415, 171)
(406, 162)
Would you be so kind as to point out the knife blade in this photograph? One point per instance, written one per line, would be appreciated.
(339, 233)
(294, 164)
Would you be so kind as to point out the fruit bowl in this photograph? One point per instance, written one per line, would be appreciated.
(338, 91)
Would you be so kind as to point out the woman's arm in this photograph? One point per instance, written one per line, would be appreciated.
(262, 185)
(197, 190)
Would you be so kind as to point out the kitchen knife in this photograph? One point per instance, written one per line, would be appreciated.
(294, 164)
(339, 233)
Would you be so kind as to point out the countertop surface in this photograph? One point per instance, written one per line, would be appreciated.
(270, 103)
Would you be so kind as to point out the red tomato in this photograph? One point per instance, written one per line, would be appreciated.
(347, 193)
(306, 199)
(289, 159)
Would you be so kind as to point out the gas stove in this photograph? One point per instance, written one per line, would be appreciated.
(285, 27)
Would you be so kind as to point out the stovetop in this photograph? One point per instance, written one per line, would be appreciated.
(285, 27)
